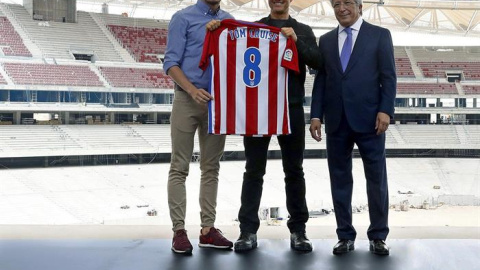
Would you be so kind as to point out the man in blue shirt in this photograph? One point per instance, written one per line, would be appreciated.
(186, 34)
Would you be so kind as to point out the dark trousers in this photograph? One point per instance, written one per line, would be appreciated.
(339, 155)
(292, 147)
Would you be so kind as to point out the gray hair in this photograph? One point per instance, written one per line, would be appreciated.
(359, 2)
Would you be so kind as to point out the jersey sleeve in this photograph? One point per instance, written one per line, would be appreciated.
(290, 56)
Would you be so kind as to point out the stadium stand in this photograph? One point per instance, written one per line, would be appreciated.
(46, 140)
(44, 74)
(471, 89)
(145, 44)
(136, 77)
(429, 134)
(471, 70)
(434, 62)
(2, 80)
(145, 39)
(117, 86)
(472, 133)
(426, 88)
(11, 43)
(453, 54)
(61, 40)
(112, 19)
(156, 135)
(106, 136)
(29, 139)
(403, 64)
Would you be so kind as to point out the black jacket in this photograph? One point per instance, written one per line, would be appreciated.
(309, 54)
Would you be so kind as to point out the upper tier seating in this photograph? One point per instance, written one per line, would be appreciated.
(404, 68)
(136, 77)
(60, 40)
(471, 89)
(142, 42)
(43, 74)
(471, 70)
(426, 88)
(402, 63)
(10, 42)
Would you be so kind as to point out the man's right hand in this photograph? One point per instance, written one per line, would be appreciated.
(200, 96)
(316, 129)
(213, 24)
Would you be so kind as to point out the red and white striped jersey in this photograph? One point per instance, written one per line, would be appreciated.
(250, 63)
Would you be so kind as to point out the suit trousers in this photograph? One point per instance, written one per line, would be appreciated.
(187, 118)
(339, 155)
(292, 147)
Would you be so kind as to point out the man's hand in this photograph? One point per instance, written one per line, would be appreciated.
(316, 129)
(289, 32)
(383, 120)
(200, 96)
(213, 24)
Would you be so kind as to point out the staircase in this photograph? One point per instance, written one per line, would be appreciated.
(99, 74)
(32, 47)
(416, 70)
(134, 133)
(459, 88)
(462, 137)
(124, 54)
(396, 134)
(5, 75)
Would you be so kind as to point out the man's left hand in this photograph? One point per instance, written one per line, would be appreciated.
(213, 24)
(383, 120)
(289, 33)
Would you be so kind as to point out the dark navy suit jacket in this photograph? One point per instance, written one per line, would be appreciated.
(367, 86)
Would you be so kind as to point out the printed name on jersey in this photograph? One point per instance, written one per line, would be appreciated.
(240, 33)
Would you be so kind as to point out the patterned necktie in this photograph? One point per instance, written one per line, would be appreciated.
(347, 48)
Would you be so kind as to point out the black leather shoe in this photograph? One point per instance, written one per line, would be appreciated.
(379, 247)
(246, 241)
(300, 242)
(343, 246)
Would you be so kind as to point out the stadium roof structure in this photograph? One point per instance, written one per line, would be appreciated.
(429, 16)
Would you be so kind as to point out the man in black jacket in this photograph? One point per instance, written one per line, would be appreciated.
(292, 145)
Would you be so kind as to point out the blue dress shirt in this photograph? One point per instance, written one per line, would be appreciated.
(186, 35)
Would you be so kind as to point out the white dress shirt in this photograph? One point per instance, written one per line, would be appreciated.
(342, 35)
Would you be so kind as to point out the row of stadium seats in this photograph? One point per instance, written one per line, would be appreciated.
(42, 74)
(404, 68)
(426, 88)
(136, 77)
(156, 138)
(471, 70)
(10, 42)
(471, 89)
(143, 43)
(82, 75)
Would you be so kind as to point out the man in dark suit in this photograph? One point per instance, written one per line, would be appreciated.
(354, 96)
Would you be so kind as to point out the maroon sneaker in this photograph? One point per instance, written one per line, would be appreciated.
(180, 243)
(214, 239)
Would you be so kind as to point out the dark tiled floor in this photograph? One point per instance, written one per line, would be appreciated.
(155, 254)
